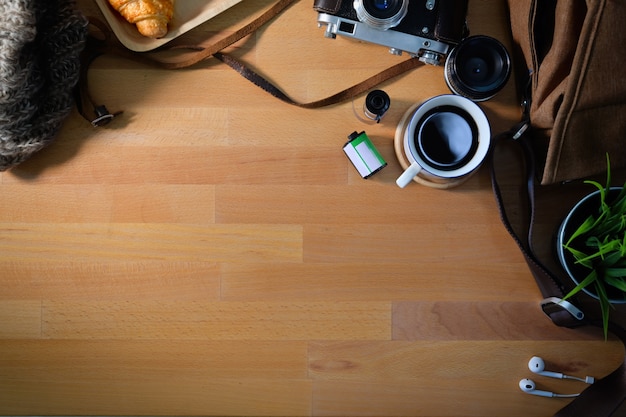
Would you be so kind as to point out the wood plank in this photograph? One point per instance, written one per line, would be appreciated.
(367, 281)
(217, 321)
(20, 319)
(183, 165)
(407, 243)
(436, 378)
(147, 126)
(81, 281)
(473, 320)
(442, 363)
(124, 203)
(426, 399)
(134, 242)
(357, 205)
(173, 395)
(215, 83)
(213, 252)
(151, 360)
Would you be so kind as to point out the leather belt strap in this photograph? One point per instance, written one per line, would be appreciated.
(206, 52)
(606, 395)
(339, 97)
(104, 44)
(167, 58)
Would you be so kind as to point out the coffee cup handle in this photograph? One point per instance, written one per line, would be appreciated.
(408, 175)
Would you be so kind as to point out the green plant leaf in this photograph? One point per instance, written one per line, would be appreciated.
(616, 282)
(613, 256)
(621, 263)
(620, 202)
(608, 225)
(604, 307)
(602, 190)
(615, 272)
(596, 184)
(599, 243)
(608, 171)
(591, 278)
(608, 250)
(582, 229)
(621, 198)
(593, 242)
(578, 255)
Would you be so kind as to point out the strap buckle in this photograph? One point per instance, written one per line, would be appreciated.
(552, 305)
(103, 116)
(524, 124)
(519, 130)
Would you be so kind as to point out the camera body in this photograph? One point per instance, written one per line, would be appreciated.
(427, 29)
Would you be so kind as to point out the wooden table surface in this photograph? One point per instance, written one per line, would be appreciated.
(213, 252)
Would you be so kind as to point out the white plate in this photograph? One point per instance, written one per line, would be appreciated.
(187, 15)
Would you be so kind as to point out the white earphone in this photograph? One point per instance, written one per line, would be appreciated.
(529, 387)
(538, 366)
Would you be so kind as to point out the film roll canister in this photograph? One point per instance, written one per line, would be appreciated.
(363, 154)
(376, 105)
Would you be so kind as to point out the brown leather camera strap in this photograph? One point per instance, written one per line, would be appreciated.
(606, 395)
(208, 51)
(339, 97)
(185, 56)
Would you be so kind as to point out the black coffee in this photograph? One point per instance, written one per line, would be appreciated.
(446, 138)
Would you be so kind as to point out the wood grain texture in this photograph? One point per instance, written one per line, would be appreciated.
(369, 281)
(136, 241)
(213, 252)
(112, 281)
(216, 321)
(20, 319)
(438, 378)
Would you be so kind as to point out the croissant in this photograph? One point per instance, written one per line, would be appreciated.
(150, 16)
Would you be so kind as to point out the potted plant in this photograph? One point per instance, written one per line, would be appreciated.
(592, 245)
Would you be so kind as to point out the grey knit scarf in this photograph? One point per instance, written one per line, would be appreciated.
(40, 46)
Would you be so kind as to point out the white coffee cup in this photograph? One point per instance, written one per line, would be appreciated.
(445, 138)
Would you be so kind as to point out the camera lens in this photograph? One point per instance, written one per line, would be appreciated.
(381, 14)
(382, 5)
(478, 68)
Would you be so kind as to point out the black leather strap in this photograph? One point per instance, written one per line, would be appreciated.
(95, 113)
(549, 285)
(605, 397)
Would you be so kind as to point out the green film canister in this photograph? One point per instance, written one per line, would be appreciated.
(363, 154)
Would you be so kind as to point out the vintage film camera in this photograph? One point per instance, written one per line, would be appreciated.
(476, 67)
(423, 28)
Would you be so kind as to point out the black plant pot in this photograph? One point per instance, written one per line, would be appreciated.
(588, 205)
